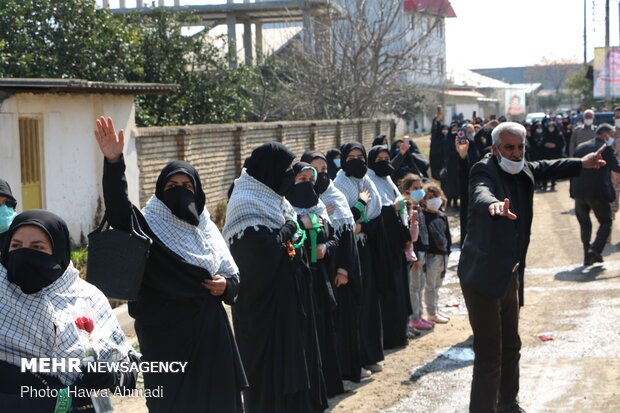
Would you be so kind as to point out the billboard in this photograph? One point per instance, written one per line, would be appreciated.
(515, 104)
(606, 74)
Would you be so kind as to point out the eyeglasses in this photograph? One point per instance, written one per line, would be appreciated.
(9, 202)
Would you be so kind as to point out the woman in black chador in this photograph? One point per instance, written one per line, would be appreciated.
(395, 303)
(320, 248)
(343, 267)
(273, 315)
(189, 272)
(365, 203)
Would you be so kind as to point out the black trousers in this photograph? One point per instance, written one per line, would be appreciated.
(497, 345)
(602, 212)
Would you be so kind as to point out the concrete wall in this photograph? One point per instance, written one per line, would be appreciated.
(71, 162)
(218, 151)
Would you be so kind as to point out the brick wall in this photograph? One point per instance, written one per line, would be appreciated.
(218, 151)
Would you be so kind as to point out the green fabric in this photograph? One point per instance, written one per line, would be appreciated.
(362, 209)
(314, 233)
(63, 401)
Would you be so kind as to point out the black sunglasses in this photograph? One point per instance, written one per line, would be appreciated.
(10, 203)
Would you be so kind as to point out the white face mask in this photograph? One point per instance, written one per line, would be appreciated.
(434, 204)
(588, 122)
(617, 122)
(609, 141)
(511, 167)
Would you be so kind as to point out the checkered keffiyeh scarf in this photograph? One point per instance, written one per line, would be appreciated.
(351, 188)
(43, 325)
(201, 245)
(254, 204)
(386, 188)
(341, 217)
(319, 209)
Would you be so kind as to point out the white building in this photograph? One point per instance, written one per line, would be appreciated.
(425, 20)
(48, 153)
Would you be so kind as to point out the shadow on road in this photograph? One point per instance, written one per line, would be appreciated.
(456, 357)
(580, 274)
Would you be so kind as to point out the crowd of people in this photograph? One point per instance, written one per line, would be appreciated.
(326, 262)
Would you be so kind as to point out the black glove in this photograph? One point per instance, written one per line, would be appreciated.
(97, 380)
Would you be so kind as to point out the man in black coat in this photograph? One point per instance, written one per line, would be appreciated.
(593, 191)
(492, 263)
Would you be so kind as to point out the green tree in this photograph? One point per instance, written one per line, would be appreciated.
(209, 92)
(66, 39)
(75, 39)
(579, 84)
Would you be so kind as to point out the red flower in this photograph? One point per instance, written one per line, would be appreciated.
(85, 323)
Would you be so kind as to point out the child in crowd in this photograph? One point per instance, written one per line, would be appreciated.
(439, 243)
(411, 188)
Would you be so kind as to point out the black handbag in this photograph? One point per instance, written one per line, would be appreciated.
(117, 258)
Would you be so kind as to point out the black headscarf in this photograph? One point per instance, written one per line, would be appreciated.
(181, 167)
(185, 206)
(300, 166)
(348, 147)
(302, 195)
(332, 169)
(323, 178)
(58, 233)
(5, 190)
(378, 140)
(55, 228)
(268, 164)
(382, 169)
(309, 156)
(374, 152)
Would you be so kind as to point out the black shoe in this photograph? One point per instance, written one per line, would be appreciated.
(595, 257)
(511, 409)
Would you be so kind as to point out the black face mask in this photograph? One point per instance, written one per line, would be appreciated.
(356, 168)
(32, 270)
(383, 168)
(302, 195)
(322, 182)
(287, 182)
(182, 204)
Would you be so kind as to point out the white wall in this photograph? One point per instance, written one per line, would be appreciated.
(71, 161)
(431, 54)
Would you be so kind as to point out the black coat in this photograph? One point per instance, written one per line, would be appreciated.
(490, 250)
(595, 183)
(556, 138)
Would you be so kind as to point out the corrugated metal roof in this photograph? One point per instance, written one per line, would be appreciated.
(43, 85)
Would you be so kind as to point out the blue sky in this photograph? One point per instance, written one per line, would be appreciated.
(501, 33)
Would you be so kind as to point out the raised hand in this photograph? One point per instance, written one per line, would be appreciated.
(110, 143)
(461, 148)
(594, 160)
(502, 209)
(405, 146)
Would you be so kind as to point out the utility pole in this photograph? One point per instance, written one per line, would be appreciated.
(607, 55)
(585, 34)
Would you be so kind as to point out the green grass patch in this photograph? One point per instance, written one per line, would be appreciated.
(79, 257)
